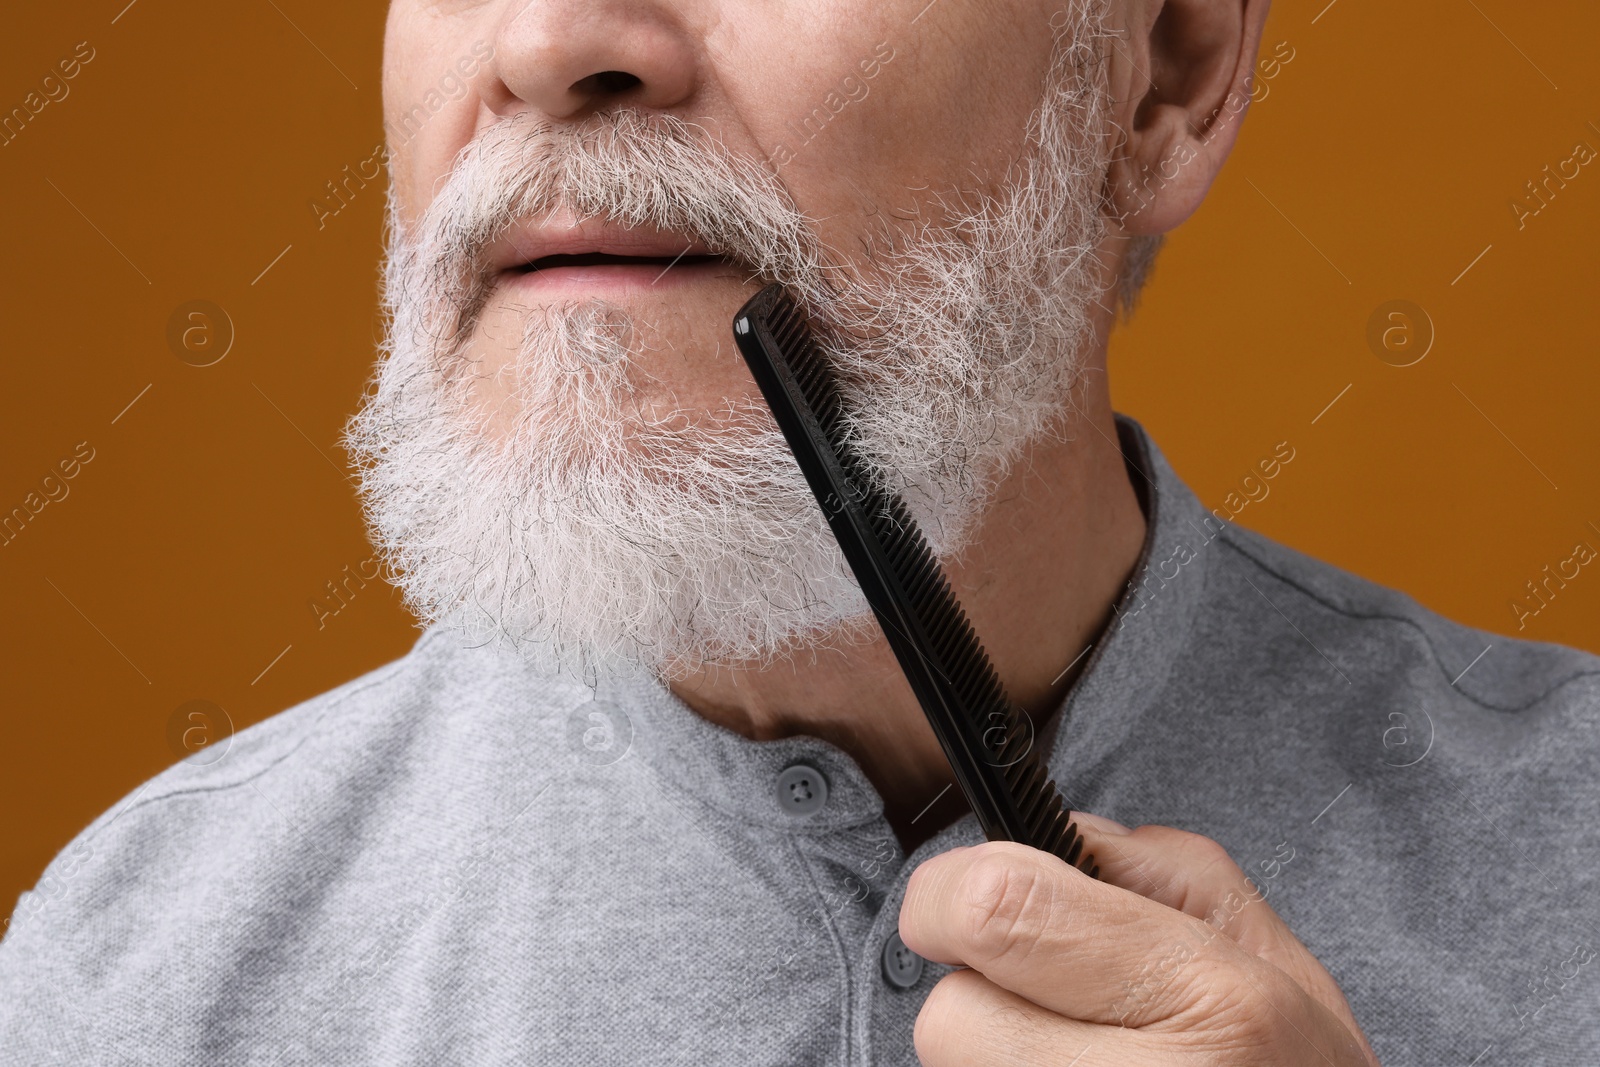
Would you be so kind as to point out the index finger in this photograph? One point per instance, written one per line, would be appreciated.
(1196, 875)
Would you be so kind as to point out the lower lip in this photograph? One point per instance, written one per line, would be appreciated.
(624, 277)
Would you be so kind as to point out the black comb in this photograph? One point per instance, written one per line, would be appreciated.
(987, 739)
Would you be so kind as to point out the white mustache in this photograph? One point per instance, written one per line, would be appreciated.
(629, 167)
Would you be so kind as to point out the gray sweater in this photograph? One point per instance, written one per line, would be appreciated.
(453, 860)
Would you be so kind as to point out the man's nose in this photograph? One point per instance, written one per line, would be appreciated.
(566, 58)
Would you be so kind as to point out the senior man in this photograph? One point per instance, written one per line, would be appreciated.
(651, 788)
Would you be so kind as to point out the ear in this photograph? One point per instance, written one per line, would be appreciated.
(1182, 76)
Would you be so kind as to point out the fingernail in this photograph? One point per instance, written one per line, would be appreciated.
(1100, 824)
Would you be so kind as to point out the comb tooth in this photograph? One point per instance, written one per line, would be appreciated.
(963, 678)
(1014, 773)
(953, 631)
(793, 324)
(789, 330)
(984, 690)
(1070, 847)
(809, 370)
(1056, 809)
(986, 685)
(919, 576)
(1080, 859)
(1017, 751)
(915, 549)
(958, 643)
(949, 619)
(889, 527)
(906, 559)
(1023, 742)
(1006, 753)
(782, 326)
(1034, 800)
(1055, 837)
(926, 568)
(958, 615)
(900, 520)
(925, 561)
(796, 341)
(1024, 776)
(1032, 773)
(1048, 827)
(829, 411)
(806, 375)
(925, 581)
(958, 672)
(884, 526)
(796, 353)
(1053, 815)
(1073, 852)
(926, 593)
(960, 632)
(812, 359)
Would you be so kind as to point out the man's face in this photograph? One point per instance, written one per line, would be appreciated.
(869, 111)
(564, 448)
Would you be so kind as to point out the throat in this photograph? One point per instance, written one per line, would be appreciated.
(863, 707)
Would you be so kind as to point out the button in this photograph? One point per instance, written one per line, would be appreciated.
(901, 966)
(802, 790)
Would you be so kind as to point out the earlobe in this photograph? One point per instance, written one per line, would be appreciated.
(1184, 84)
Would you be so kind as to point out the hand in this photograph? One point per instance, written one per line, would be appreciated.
(1173, 959)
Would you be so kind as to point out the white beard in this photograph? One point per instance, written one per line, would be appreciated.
(590, 534)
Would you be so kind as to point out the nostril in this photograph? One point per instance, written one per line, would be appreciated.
(607, 81)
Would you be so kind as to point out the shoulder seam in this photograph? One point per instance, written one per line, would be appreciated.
(382, 676)
(1232, 540)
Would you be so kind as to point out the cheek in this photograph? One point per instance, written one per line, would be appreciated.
(424, 125)
(947, 106)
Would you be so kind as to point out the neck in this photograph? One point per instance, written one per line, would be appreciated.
(1051, 556)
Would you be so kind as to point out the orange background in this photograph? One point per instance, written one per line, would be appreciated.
(1378, 164)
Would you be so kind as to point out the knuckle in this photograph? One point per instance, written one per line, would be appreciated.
(937, 1029)
(1211, 880)
(966, 1019)
(1245, 1017)
(1005, 906)
(1205, 857)
(1232, 1007)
